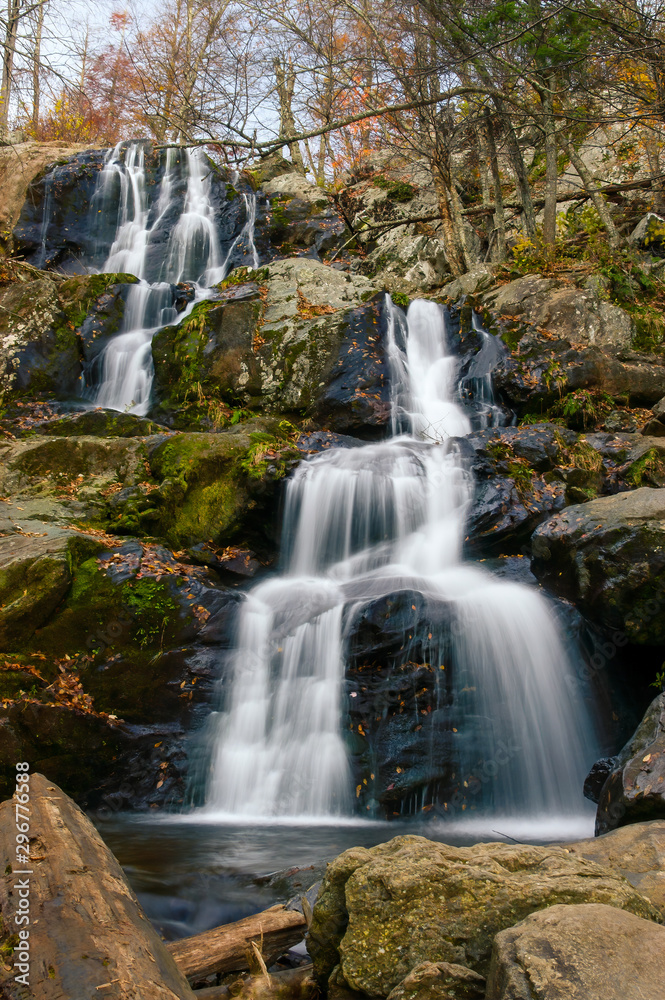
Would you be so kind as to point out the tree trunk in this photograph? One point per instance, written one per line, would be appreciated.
(454, 254)
(224, 949)
(499, 251)
(551, 168)
(285, 79)
(36, 67)
(9, 51)
(88, 935)
(517, 161)
(597, 199)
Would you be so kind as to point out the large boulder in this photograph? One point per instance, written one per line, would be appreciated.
(608, 556)
(578, 953)
(95, 630)
(20, 165)
(578, 315)
(382, 911)
(636, 851)
(48, 327)
(35, 574)
(302, 215)
(635, 788)
(297, 336)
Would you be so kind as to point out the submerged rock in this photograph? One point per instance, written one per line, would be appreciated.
(578, 952)
(635, 788)
(608, 557)
(382, 911)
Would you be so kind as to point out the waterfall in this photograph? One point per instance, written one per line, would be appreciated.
(163, 237)
(361, 524)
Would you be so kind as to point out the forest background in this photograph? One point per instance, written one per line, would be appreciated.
(495, 97)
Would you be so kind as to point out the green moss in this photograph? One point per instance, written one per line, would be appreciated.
(154, 609)
(400, 299)
(77, 294)
(243, 275)
(649, 470)
(398, 191)
(512, 336)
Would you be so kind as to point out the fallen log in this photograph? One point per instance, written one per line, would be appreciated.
(88, 936)
(224, 948)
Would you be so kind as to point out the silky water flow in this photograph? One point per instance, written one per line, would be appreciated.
(363, 523)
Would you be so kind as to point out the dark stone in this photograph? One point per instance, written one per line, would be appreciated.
(608, 556)
(654, 428)
(356, 395)
(597, 776)
(634, 791)
(61, 197)
(543, 369)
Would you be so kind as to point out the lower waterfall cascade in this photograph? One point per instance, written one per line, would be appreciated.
(365, 522)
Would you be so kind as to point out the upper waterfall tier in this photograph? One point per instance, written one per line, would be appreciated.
(165, 217)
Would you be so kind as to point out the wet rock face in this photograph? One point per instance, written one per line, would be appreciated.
(82, 222)
(120, 623)
(523, 475)
(49, 328)
(402, 730)
(607, 557)
(295, 336)
(634, 789)
(382, 911)
(541, 368)
(577, 952)
(63, 195)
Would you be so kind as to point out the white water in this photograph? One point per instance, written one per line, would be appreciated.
(121, 379)
(361, 524)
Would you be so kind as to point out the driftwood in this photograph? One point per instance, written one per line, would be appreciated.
(292, 983)
(88, 936)
(223, 949)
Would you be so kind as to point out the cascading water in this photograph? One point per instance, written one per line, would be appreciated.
(364, 523)
(163, 239)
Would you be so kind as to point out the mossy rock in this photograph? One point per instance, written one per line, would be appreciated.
(196, 361)
(382, 911)
(43, 332)
(36, 574)
(204, 492)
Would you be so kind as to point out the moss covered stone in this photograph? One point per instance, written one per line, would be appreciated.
(43, 331)
(36, 573)
(382, 911)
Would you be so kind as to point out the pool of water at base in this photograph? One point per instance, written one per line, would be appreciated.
(191, 874)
